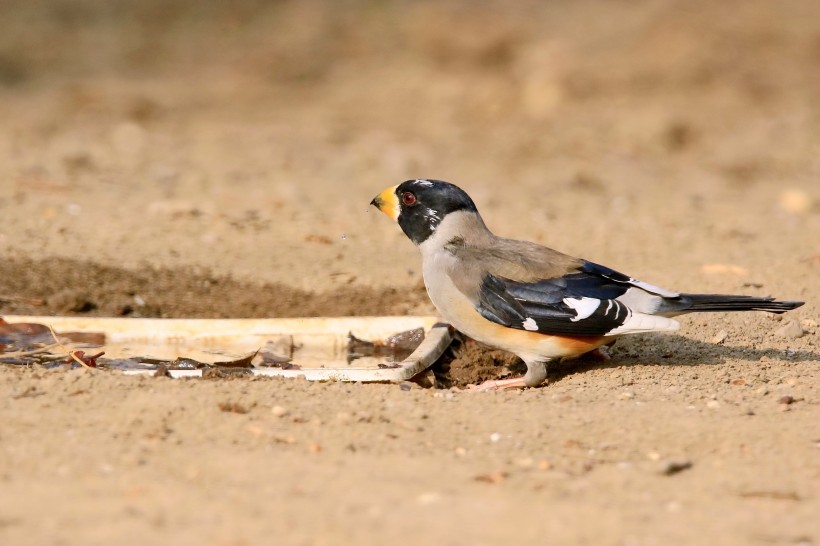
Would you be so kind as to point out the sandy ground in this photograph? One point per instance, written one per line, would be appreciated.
(218, 160)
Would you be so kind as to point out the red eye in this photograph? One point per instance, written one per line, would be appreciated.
(408, 198)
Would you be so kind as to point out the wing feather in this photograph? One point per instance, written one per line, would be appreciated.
(580, 303)
(530, 287)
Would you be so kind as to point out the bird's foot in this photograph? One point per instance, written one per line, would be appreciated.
(498, 385)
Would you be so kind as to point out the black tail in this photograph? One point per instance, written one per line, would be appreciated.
(722, 302)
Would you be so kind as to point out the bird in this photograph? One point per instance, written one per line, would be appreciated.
(528, 299)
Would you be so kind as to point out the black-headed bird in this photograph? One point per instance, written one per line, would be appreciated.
(530, 300)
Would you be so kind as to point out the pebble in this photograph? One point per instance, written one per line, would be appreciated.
(279, 411)
(790, 330)
(495, 437)
(673, 507)
(524, 462)
(628, 395)
(674, 466)
(795, 201)
(786, 399)
(431, 497)
(494, 478)
(720, 337)
(713, 404)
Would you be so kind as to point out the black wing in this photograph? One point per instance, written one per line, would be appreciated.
(582, 303)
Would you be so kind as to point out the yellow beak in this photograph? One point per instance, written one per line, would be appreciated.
(388, 202)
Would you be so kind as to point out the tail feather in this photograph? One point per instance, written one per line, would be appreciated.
(724, 302)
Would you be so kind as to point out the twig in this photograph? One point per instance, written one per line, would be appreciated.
(70, 353)
(17, 354)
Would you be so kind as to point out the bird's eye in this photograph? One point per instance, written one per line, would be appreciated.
(408, 198)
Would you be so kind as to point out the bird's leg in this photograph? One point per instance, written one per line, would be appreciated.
(536, 375)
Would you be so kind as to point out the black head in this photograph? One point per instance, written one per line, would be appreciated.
(420, 205)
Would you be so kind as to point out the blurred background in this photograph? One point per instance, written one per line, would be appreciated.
(248, 137)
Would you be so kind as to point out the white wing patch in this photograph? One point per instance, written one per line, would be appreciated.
(530, 324)
(653, 289)
(641, 301)
(584, 307)
(637, 323)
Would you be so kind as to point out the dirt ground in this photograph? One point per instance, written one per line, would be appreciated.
(210, 159)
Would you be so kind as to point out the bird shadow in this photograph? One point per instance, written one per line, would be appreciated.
(676, 351)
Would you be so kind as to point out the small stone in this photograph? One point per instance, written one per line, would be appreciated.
(674, 466)
(431, 497)
(255, 430)
(762, 391)
(790, 330)
(795, 201)
(713, 404)
(495, 437)
(279, 411)
(673, 507)
(628, 395)
(720, 337)
(524, 462)
(544, 465)
(786, 399)
(494, 478)
(789, 352)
